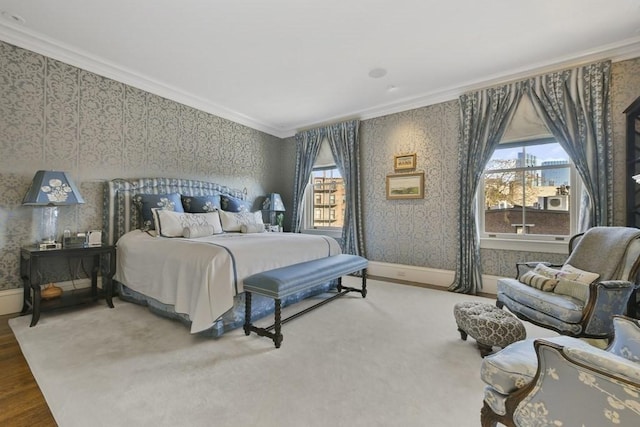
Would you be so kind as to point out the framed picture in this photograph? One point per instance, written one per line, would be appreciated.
(404, 162)
(405, 186)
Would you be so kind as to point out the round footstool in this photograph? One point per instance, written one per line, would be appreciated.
(489, 325)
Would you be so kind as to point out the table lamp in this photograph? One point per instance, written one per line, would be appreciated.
(51, 189)
(272, 204)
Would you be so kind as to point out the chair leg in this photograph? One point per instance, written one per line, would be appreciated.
(488, 418)
(499, 304)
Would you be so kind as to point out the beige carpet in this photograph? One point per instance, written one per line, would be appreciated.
(392, 359)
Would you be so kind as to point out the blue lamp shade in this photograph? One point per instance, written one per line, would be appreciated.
(52, 188)
(273, 202)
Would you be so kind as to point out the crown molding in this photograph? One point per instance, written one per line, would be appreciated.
(616, 52)
(22, 37)
(26, 39)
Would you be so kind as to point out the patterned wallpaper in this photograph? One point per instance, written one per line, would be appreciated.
(419, 232)
(55, 116)
(423, 232)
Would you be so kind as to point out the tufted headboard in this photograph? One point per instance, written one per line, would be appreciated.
(120, 214)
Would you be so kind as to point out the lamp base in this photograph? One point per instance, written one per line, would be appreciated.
(50, 291)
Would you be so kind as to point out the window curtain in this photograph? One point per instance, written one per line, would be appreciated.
(345, 147)
(576, 106)
(307, 148)
(485, 115)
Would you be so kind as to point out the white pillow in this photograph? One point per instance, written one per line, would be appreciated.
(233, 221)
(581, 276)
(572, 288)
(252, 228)
(172, 224)
(196, 231)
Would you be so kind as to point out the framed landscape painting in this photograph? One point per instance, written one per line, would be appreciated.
(405, 186)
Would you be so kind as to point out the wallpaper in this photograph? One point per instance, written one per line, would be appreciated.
(55, 116)
(423, 232)
(58, 117)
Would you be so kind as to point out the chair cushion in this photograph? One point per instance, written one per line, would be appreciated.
(555, 305)
(514, 366)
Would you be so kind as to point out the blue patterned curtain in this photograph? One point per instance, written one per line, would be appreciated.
(307, 148)
(345, 147)
(576, 106)
(485, 115)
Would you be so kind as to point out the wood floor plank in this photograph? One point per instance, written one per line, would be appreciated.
(21, 400)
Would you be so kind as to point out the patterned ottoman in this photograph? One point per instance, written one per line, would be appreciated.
(489, 325)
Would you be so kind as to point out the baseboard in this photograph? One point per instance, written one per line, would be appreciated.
(11, 299)
(424, 275)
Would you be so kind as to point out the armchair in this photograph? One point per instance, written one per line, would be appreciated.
(595, 283)
(563, 381)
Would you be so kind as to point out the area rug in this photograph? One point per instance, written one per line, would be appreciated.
(394, 358)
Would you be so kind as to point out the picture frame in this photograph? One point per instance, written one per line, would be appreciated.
(404, 162)
(405, 186)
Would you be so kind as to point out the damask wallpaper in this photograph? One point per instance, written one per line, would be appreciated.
(55, 116)
(423, 232)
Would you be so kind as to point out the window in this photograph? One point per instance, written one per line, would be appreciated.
(326, 191)
(527, 192)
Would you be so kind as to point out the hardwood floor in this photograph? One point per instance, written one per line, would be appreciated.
(21, 401)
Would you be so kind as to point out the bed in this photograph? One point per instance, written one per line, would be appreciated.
(197, 280)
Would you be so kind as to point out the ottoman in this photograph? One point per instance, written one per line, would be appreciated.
(488, 324)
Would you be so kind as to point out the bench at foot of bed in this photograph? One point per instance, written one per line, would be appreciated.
(282, 282)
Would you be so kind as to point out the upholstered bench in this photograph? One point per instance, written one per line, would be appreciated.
(489, 325)
(284, 281)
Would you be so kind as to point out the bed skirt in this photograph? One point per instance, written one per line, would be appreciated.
(261, 306)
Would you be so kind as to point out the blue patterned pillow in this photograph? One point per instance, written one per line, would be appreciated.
(232, 204)
(145, 202)
(201, 204)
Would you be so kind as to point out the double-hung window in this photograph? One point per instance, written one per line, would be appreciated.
(527, 192)
(324, 199)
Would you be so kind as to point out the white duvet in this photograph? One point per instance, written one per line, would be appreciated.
(200, 277)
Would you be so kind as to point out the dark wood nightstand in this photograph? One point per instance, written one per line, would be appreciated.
(104, 259)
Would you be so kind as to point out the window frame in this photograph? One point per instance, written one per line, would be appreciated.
(548, 243)
(308, 212)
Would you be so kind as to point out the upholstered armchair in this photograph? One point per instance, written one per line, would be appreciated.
(579, 297)
(564, 381)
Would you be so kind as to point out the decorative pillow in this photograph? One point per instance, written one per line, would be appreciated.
(252, 228)
(581, 276)
(232, 204)
(172, 224)
(195, 231)
(573, 289)
(233, 221)
(146, 202)
(538, 281)
(200, 204)
(546, 271)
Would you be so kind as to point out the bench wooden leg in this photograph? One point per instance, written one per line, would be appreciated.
(277, 335)
(247, 313)
(364, 283)
(362, 291)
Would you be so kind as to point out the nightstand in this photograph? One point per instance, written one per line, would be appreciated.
(31, 257)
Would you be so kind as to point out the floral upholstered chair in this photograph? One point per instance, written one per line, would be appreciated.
(564, 381)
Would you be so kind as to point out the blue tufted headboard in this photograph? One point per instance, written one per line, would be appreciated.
(120, 214)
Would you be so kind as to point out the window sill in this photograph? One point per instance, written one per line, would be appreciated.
(544, 246)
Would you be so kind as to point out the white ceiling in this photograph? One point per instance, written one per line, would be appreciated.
(283, 65)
